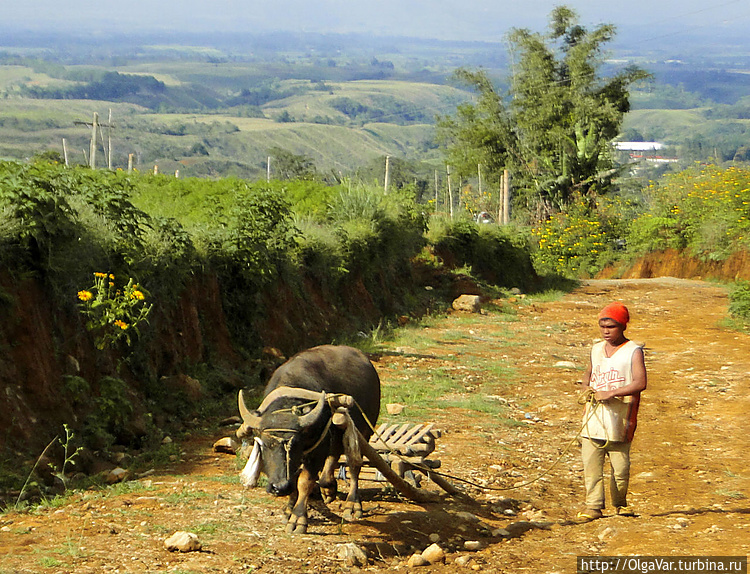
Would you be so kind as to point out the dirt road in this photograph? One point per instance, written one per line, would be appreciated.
(689, 483)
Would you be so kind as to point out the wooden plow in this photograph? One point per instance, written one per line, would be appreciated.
(396, 452)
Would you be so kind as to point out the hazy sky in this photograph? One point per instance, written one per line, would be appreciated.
(444, 19)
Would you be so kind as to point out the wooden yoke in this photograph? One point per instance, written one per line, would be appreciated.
(342, 419)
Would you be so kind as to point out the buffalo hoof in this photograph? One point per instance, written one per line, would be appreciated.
(353, 513)
(329, 491)
(299, 528)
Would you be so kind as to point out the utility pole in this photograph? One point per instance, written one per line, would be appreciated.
(479, 175)
(506, 197)
(450, 191)
(92, 145)
(268, 169)
(436, 191)
(109, 143)
(387, 174)
(501, 200)
(95, 125)
(65, 152)
(130, 163)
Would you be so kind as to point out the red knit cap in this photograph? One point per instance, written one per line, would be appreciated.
(617, 312)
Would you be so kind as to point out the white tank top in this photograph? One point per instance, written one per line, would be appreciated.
(616, 419)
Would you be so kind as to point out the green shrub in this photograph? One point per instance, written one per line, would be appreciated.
(705, 210)
(739, 305)
(496, 254)
(576, 243)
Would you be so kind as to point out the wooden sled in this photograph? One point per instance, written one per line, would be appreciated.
(405, 447)
(413, 443)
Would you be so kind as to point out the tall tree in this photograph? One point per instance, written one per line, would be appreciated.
(553, 127)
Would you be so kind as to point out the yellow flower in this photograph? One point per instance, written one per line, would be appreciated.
(137, 295)
(85, 295)
(122, 324)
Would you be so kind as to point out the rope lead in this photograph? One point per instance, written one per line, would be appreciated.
(585, 397)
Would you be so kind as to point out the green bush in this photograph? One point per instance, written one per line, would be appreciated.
(496, 254)
(739, 305)
(576, 243)
(705, 210)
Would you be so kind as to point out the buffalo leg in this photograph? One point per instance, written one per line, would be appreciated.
(353, 506)
(297, 523)
(289, 505)
(328, 484)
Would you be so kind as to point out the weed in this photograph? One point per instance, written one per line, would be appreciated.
(739, 305)
(186, 496)
(28, 479)
(49, 562)
(481, 404)
(67, 455)
(733, 494)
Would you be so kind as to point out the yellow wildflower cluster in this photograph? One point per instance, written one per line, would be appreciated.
(570, 243)
(85, 295)
(113, 313)
(711, 205)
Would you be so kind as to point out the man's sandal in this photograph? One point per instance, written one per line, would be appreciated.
(589, 514)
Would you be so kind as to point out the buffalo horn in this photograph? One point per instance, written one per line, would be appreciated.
(288, 392)
(249, 418)
(310, 418)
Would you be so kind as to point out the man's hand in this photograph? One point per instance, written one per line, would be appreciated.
(604, 396)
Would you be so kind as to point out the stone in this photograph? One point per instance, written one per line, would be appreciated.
(565, 365)
(182, 541)
(416, 560)
(462, 560)
(468, 303)
(433, 554)
(467, 516)
(472, 545)
(352, 554)
(227, 445)
(500, 533)
(116, 475)
(434, 537)
(230, 421)
(682, 522)
(394, 408)
(606, 533)
(184, 385)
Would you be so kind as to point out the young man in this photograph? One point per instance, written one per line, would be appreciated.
(616, 376)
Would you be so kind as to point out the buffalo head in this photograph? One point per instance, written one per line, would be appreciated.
(289, 422)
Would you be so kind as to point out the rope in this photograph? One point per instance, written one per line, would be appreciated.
(586, 396)
(286, 442)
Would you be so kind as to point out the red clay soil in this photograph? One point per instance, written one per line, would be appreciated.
(689, 481)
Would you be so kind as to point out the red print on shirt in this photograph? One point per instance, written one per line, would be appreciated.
(607, 380)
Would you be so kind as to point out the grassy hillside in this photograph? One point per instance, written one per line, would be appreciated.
(239, 116)
(693, 134)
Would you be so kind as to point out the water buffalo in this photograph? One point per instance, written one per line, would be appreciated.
(298, 441)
